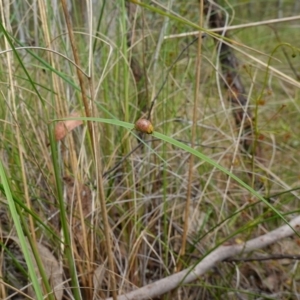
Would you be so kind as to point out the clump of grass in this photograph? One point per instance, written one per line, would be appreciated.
(110, 203)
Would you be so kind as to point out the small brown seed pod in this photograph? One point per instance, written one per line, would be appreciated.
(144, 125)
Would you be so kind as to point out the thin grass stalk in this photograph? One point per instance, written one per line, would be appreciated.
(107, 229)
(98, 27)
(132, 227)
(166, 224)
(31, 237)
(87, 280)
(139, 80)
(97, 155)
(21, 236)
(99, 168)
(60, 109)
(63, 217)
(170, 15)
(139, 73)
(89, 6)
(238, 26)
(76, 59)
(193, 138)
(125, 65)
(44, 63)
(100, 192)
(13, 49)
(256, 145)
(90, 129)
(155, 61)
(36, 255)
(5, 20)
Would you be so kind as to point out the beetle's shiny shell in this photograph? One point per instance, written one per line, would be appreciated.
(144, 125)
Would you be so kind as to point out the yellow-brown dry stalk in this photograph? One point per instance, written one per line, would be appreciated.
(191, 160)
(93, 132)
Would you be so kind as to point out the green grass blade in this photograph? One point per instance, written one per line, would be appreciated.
(20, 233)
(191, 151)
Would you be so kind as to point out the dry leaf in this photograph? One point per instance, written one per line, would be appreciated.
(196, 219)
(64, 127)
(53, 271)
(272, 282)
(98, 278)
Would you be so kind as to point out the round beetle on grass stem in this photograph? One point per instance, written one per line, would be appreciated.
(144, 125)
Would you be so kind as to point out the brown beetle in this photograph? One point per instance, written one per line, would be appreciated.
(144, 125)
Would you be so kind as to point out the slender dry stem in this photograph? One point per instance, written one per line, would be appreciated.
(97, 155)
(76, 59)
(191, 160)
(234, 27)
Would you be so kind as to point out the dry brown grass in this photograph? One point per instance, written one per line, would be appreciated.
(144, 194)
